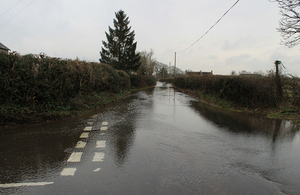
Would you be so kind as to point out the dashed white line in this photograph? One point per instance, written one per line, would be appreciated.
(96, 170)
(84, 135)
(103, 128)
(68, 172)
(80, 144)
(87, 129)
(75, 157)
(101, 144)
(98, 157)
(10, 185)
(105, 123)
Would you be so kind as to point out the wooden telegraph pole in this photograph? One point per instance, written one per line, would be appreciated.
(175, 65)
(278, 80)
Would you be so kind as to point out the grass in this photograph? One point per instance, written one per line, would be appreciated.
(286, 112)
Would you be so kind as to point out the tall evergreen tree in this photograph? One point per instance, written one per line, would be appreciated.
(120, 49)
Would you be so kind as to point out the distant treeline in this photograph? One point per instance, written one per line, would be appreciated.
(38, 83)
(244, 91)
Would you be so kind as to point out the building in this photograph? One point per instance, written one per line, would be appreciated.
(191, 73)
(3, 48)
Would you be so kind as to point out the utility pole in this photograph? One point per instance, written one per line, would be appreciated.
(169, 69)
(278, 80)
(175, 65)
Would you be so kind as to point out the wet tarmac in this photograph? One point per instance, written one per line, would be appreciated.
(157, 141)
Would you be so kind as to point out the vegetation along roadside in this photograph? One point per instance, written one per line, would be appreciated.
(36, 88)
(258, 94)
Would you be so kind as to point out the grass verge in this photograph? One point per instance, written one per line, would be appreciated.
(286, 112)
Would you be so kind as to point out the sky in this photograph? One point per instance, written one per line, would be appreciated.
(245, 39)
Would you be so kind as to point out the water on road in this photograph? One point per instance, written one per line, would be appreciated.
(157, 141)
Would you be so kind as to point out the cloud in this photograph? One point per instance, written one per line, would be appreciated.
(238, 60)
(243, 42)
(212, 57)
(247, 62)
(245, 39)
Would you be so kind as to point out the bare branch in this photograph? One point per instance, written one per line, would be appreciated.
(289, 25)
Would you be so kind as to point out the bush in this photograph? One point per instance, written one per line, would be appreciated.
(140, 81)
(168, 80)
(42, 83)
(251, 92)
(124, 79)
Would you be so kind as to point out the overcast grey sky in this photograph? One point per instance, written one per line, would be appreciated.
(245, 39)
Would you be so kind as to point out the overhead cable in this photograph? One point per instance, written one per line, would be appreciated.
(210, 27)
(17, 13)
(10, 8)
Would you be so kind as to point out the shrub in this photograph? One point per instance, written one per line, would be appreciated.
(168, 80)
(140, 81)
(39, 82)
(251, 92)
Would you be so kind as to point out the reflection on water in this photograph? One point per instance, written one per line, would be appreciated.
(244, 123)
(160, 141)
(247, 149)
(123, 116)
(31, 152)
(122, 140)
(121, 134)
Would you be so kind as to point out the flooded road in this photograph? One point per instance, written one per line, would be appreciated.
(157, 141)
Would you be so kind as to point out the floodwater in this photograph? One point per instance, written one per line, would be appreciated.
(158, 141)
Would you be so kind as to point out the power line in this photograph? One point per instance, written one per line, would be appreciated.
(211, 27)
(10, 8)
(17, 13)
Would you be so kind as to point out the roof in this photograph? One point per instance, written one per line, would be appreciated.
(3, 47)
(189, 73)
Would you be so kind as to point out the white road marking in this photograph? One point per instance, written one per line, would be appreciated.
(10, 185)
(105, 123)
(87, 129)
(103, 128)
(68, 172)
(84, 135)
(98, 157)
(96, 170)
(101, 144)
(75, 157)
(80, 144)
(102, 133)
(90, 123)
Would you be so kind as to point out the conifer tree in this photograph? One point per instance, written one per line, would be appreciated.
(120, 49)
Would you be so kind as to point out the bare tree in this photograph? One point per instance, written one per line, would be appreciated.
(289, 25)
(147, 63)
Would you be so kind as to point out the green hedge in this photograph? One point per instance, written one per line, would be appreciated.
(251, 92)
(168, 80)
(140, 81)
(39, 82)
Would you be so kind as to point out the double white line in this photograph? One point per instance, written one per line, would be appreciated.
(76, 156)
